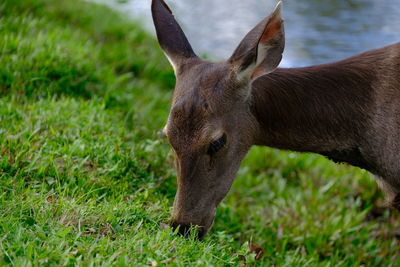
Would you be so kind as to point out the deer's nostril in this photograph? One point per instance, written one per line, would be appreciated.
(184, 229)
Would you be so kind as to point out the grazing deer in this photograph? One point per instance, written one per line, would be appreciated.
(348, 111)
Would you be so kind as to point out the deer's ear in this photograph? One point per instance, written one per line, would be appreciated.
(260, 52)
(170, 35)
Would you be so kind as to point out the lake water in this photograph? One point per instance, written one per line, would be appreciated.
(317, 31)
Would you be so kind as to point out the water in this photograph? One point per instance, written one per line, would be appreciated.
(316, 31)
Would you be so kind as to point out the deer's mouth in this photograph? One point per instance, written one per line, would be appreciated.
(185, 229)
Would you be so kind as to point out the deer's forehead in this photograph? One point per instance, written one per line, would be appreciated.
(201, 77)
(189, 112)
(202, 93)
(191, 120)
(198, 99)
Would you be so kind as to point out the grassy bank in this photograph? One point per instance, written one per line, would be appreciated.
(85, 179)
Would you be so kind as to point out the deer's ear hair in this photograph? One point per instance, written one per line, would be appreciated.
(260, 52)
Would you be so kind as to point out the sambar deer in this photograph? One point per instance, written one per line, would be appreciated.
(348, 111)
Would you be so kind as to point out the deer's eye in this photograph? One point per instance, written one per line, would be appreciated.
(216, 145)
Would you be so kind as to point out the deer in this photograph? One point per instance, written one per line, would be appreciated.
(347, 111)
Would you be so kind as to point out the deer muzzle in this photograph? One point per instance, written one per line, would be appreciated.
(187, 218)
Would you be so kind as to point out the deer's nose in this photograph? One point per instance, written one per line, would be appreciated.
(184, 229)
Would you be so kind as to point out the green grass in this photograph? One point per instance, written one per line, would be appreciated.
(85, 179)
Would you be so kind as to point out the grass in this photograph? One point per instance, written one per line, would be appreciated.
(85, 179)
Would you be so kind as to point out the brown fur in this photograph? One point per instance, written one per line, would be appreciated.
(348, 111)
(334, 110)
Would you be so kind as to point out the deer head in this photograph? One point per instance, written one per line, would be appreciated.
(210, 125)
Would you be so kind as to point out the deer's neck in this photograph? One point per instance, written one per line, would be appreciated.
(315, 109)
